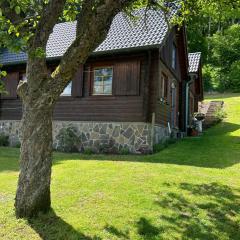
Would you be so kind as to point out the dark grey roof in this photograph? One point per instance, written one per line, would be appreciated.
(149, 29)
(194, 62)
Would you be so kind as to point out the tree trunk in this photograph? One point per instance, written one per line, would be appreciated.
(33, 192)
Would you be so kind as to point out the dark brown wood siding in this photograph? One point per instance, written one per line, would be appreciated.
(11, 82)
(77, 83)
(83, 106)
(166, 53)
(127, 76)
(162, 65)
(161, 110)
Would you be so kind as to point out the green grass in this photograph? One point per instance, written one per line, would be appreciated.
(190, 190)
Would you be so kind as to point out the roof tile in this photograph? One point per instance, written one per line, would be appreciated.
(194, 61)
(149, 29)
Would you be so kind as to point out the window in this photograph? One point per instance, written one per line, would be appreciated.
(164, 87)
(102, 82)
(22, 77)
(68, 90)
(174, 56)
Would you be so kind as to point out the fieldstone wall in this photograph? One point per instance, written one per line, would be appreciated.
(11, 129)
(111, 137)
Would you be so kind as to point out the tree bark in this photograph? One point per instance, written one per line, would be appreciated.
(33, 192)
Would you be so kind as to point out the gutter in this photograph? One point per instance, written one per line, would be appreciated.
(192, 78)
(93, 54)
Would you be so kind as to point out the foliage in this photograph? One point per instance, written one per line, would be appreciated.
(88, 151)
(2, 75)
(124, 151)
(17, 144)
(4, 140)
(225, 56)
(234, 76)
(220, 114)
(211, 77)
(188, 191)
(214, 30)
(68, 140)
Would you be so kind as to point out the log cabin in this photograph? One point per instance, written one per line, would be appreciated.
(133, 91)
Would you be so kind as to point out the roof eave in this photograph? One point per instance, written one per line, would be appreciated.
(124, 50)
(97, 53)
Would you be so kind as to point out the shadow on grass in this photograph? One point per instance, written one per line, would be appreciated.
(51, 227)
(191, 211)
(215, 149)
(145, 229)
(214, 214)
(117, 233)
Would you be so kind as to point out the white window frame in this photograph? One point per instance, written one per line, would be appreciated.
(93, 88)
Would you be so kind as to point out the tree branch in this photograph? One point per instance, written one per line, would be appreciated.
(49, 17)
(37, 44)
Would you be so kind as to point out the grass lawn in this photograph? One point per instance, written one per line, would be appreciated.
(190, 190)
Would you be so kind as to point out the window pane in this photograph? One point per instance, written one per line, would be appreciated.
(174, 57)
(98, 89)
(98, 80)
(24, 77)
(68, 90)
(102, 81)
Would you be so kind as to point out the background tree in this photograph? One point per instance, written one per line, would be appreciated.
(212, 26)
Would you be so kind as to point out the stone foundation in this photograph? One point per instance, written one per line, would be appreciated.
(111, 136)
(11, 129)
(161, 134)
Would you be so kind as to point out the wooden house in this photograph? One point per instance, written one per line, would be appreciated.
(130, 93)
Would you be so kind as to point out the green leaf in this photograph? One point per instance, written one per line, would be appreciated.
(17, 10)
(4, 73)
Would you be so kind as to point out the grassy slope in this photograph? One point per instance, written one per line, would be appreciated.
(191, 190)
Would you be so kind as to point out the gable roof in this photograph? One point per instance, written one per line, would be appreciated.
(194, 62)
(149, 30)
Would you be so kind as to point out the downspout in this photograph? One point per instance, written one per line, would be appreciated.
(192, 78)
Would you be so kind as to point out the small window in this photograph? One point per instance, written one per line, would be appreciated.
(68, 90)
(23, 77)
(174, 56)
(164, 87)
(102, 82)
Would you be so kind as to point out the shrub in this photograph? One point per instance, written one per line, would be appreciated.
(88, 151)
(124, 151)
(17, 145)
(220, 114)
(4, 140)
(68, 140)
